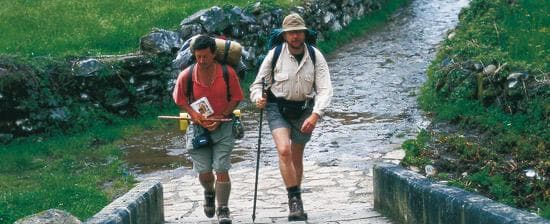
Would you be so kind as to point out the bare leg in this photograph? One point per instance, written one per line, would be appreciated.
(291, 167)
(298, 161)
(281, 136)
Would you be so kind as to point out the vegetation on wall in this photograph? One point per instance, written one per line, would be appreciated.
(491, 79)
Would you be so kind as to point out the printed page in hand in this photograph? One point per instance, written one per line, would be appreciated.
(203, 106)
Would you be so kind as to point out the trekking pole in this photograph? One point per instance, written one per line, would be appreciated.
(258, 157)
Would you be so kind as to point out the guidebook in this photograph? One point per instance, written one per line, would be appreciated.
(202, 106)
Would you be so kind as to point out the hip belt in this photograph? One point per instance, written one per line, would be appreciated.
(305, 104)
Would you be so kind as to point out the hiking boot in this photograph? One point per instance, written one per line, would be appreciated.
(296, 210)
(223, 215)
(209, 204)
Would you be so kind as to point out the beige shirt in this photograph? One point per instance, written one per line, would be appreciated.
(296, 82)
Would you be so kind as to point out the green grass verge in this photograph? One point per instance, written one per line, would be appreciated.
(513, 133)
(61, 27)
(78, 173)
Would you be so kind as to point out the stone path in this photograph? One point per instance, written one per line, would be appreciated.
(331, 194)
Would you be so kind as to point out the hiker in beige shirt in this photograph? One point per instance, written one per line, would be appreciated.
(297, 92)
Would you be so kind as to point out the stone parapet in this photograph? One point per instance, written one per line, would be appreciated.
(408, 197)
(141, 205)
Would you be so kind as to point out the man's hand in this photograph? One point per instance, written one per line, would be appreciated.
(213, 125)
(260, 103)
(309, 123)
(197, 118)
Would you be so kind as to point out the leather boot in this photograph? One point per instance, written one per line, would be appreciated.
(296, 210)
(223, 215)
(209, 204)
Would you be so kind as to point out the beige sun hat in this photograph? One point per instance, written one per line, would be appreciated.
(293, 22)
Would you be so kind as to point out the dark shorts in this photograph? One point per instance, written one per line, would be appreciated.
(276, 120)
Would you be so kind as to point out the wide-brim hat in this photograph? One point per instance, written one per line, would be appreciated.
(293, 22)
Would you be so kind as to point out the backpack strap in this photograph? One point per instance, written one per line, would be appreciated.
(277, 53)
(311, 51)
(274, 60)
(189, 92)
(226, 51)
(226, 79)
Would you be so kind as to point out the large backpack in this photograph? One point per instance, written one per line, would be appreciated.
(276, 41)
(227, 52)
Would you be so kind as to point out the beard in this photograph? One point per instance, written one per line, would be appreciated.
(296, 45)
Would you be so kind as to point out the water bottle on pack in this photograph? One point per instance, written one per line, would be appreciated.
(238, 128)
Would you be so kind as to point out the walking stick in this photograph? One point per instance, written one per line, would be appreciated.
(258, 157)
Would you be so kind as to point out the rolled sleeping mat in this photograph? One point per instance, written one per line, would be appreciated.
(227, 51)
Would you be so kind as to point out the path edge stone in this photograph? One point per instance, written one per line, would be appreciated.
(408, 197)
(143, 204)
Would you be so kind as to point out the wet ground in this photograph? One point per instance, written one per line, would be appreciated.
(376, 80)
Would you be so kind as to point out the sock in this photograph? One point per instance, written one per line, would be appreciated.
(223, 189)
(294, 191)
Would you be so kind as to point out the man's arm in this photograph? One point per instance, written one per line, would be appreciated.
(323, 87)
(180, 97)
(264, 73)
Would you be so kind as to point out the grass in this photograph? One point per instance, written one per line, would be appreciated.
(68, 174)
(517, 33)
(61, 28)
(79, 173)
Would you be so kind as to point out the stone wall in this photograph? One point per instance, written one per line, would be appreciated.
(47, 94)
(144, 204)
(408, 197)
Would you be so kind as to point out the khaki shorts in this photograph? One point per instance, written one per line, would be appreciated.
(216, 156)
(276, 120)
